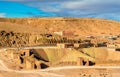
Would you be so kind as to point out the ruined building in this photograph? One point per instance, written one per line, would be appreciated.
(26, 59)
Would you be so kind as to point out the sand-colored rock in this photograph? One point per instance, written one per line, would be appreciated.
(78, 26)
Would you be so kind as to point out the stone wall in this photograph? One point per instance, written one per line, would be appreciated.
(82, 61)
(25, 60)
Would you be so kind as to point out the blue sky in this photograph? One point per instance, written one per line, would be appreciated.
(106, 9)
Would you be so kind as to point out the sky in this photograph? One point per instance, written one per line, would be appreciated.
(106, 9)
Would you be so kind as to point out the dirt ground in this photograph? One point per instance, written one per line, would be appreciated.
(89, 72)
(76, 26)
(75, 72)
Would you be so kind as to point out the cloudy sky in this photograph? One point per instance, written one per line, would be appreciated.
(106, 9)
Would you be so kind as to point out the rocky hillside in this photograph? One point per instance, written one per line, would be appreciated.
(77, 26)
(16, 32)
(15, 39)
(11, 39)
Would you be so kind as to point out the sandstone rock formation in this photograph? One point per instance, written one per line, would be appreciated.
(77, 26)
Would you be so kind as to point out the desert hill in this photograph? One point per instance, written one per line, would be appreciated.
(24, 32)
(78, 26)
(75, 27)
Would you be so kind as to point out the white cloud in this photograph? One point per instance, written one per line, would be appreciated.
(50, 9)
(20, 0)
(2, 15)
(108, 9)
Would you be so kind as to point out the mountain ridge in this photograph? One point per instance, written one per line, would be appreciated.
(78, 26)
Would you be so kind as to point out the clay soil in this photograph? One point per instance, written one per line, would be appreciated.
(77, 26)
(83, 72)
(87, 72)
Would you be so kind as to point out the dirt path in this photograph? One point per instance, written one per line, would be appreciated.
(79, 67)
(47, 73)
(42, 73)
(3, 67)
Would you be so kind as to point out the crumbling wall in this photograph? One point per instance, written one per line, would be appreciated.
(82, 61)
(67, 63)
(24, 59)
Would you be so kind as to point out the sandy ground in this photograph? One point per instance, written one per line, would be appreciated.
(66, 71)
(87, 72)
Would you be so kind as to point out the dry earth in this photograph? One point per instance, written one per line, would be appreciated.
(78, 26)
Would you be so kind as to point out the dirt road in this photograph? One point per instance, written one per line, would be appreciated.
(66, 71)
